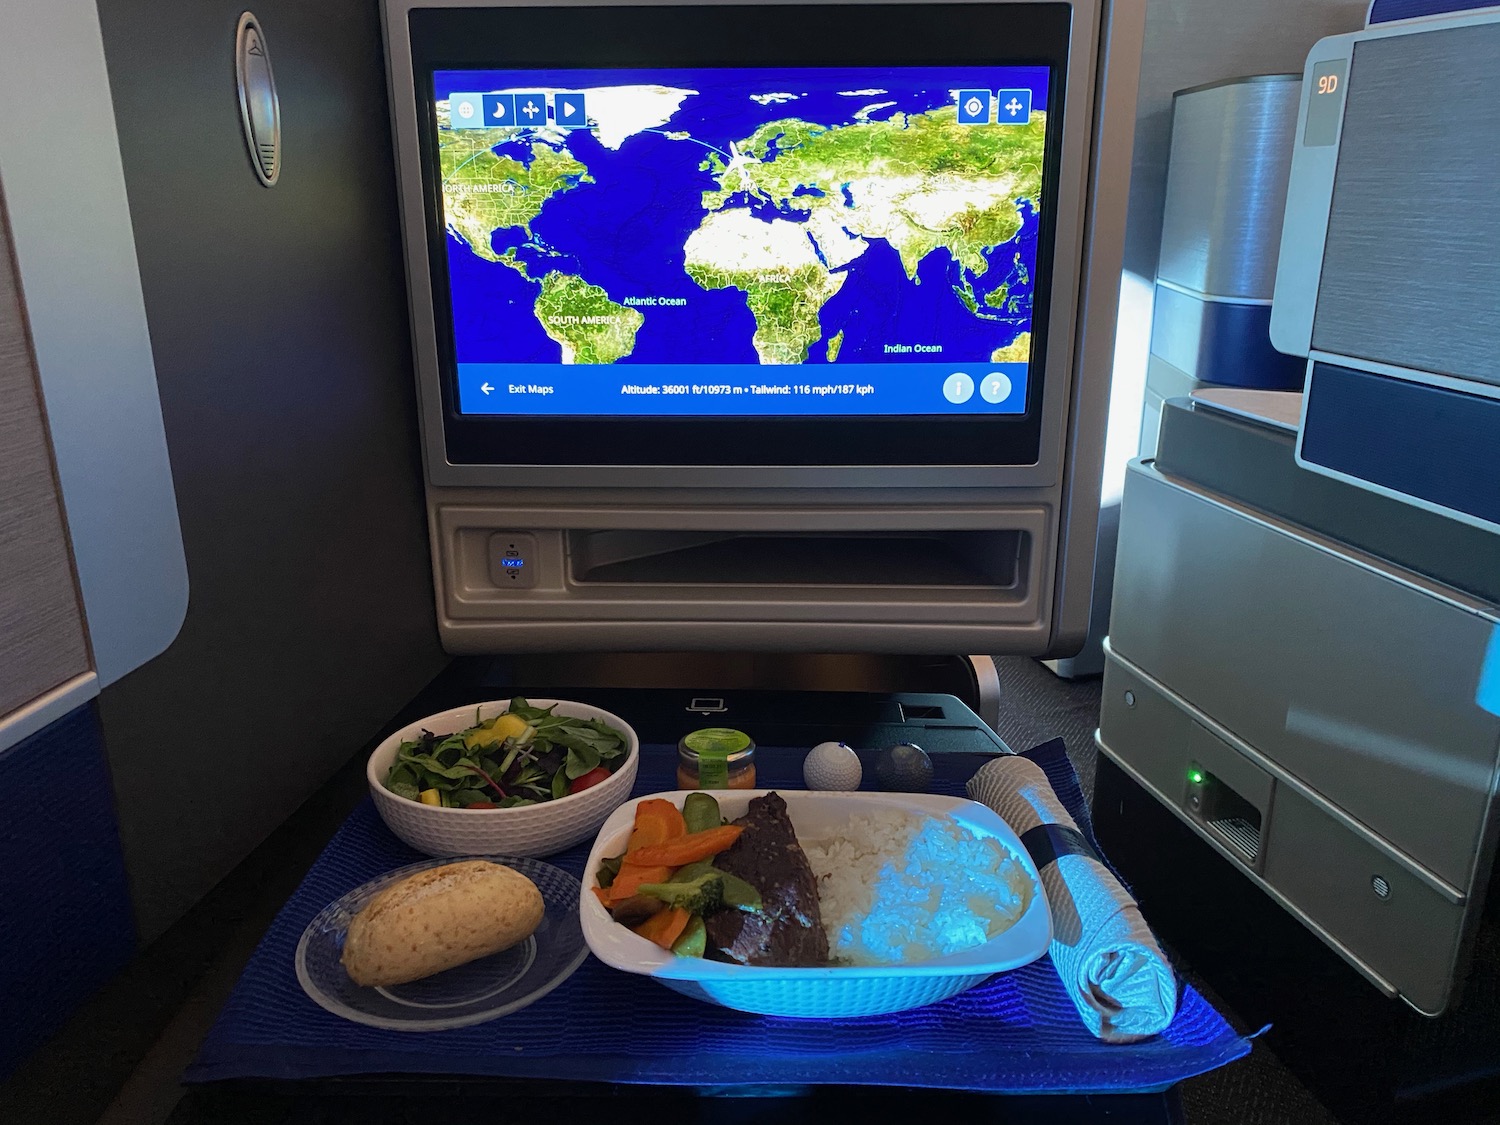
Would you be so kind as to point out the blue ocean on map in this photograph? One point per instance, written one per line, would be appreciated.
(627, 229)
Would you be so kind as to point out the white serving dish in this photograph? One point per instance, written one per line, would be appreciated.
(824, 993)
(531, 830)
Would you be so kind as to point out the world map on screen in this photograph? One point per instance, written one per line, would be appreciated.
(743, 217)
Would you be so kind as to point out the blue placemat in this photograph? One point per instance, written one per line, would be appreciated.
(1018, 1033)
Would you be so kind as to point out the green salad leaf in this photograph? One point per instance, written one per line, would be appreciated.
(461, 770)
(523, 710)
(465, 797)
(579, 762)
(534, 766)
(403, 781)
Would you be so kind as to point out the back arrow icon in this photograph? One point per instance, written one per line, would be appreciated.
(486, 388)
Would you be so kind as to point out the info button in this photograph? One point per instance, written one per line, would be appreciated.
(958, 388)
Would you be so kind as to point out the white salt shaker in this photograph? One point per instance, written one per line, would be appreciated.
(832, 766)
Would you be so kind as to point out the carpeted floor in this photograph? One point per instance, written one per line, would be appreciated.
(1035, 706)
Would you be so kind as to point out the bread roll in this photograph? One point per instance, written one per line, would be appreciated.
(438, 919)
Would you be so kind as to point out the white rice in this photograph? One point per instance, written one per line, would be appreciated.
(897, 887)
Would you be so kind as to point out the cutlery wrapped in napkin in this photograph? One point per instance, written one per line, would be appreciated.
(1115, 973)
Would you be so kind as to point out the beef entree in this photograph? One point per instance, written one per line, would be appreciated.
(890, 887)
(787, 930)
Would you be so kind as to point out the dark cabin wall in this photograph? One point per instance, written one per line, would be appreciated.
(278, 322)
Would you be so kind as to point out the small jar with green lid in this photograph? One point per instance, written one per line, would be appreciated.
(716, 758)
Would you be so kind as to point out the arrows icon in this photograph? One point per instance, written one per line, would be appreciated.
(486, 388)
(1015, 106)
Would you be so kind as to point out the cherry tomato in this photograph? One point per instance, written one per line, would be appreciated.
(589, 780)
(481, 805)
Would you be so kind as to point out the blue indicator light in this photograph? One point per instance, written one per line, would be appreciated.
(515, 563)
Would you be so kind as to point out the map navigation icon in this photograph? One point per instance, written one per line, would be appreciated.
(531, 109)
(569, 109)
(973, 107)
(995, 387)
(1013, 107)
(465, 111)
(499, 110)
(958, 388)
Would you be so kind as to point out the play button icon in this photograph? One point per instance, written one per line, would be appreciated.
(568, 109)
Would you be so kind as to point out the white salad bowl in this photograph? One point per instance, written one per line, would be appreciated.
(530, 830)
(820, 993)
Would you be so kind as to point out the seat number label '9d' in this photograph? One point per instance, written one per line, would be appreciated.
(1325, 103)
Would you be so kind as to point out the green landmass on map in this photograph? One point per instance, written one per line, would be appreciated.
(773, 263)
(785, 304)
(923, 183)
(584, 321)
(484, 192)
(920, 181)
(1017, 351)
(509, 259)
(965, 292)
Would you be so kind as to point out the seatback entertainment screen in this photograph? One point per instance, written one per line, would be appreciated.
(741, 241)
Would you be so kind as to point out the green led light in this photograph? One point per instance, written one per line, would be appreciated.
(1195, 776)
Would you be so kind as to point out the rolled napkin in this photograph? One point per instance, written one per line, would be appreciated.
(1115, 973)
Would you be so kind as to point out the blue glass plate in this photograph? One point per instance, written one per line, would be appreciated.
(482, 990)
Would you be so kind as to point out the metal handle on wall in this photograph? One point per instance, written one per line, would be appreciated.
(260, 110)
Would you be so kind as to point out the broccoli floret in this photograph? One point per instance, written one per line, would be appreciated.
(701, 895)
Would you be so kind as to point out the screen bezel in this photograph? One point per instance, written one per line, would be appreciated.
(671, 36)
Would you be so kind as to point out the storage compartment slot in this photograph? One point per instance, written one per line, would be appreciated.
(1226, 814)
(974, 559)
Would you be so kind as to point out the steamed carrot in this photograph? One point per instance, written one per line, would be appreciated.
(656, 822)
(665, 928)
(684, 850)
(632, 877)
